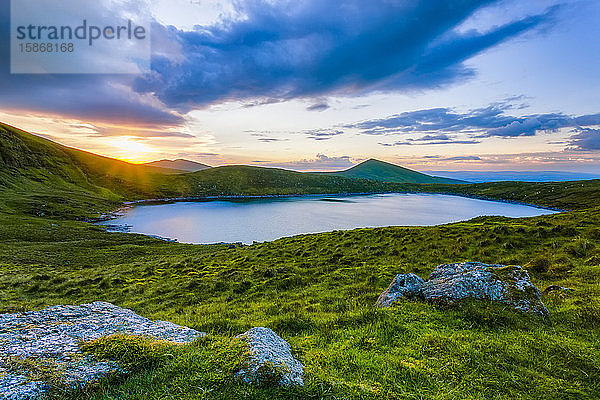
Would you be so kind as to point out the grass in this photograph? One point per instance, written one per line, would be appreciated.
(316, 291)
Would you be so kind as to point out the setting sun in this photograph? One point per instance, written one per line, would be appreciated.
(127, 148)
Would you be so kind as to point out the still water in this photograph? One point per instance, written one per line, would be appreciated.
(266, 219)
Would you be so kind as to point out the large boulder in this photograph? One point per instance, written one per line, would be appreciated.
(403, 286)
(52, 336)
(451, 283)
(270, 358)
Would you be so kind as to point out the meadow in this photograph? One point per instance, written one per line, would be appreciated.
(316, 291)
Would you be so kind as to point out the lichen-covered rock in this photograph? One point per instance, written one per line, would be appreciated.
(270, 357)
(451, 283)
(51, 337)
(403, 286)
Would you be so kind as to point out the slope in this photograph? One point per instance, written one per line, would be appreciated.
(179, 165)
(386, 172)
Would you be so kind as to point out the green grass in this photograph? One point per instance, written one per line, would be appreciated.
(316, 291)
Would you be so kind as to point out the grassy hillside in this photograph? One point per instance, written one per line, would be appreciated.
(246, 180)
(562, 195)
(386, 172)
(179, 165)
(42, 177)
(38, 177)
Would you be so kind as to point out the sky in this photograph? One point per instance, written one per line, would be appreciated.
(325, 84)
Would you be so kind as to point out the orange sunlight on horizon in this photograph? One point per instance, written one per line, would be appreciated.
(131, 150)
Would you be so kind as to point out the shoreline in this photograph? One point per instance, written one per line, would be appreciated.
(119, 212)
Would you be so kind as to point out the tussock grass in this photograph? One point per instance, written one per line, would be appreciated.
(318, 292)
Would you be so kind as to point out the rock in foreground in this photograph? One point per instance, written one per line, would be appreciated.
(403, 286)
(450, 283)
(270, 354)
(51, 337)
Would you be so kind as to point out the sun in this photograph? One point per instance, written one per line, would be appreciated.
(131, 150)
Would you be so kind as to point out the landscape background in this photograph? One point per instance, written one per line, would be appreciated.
(490, 99)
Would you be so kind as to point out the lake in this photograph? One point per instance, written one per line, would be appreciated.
(266, 219)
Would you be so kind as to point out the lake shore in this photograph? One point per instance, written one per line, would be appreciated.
(119, 212)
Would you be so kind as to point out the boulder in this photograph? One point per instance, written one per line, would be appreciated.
(270, 358)
(52, 336)
(403, 286)
(451, 283)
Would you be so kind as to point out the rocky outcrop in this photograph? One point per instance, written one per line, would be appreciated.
(403, 286)
(270, 359)
(51, 337)
(451, 283)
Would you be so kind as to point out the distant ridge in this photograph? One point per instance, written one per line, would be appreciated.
(385, 172)
(520, 176)
(179, 164)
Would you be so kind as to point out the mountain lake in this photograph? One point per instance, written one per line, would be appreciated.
(247, 220)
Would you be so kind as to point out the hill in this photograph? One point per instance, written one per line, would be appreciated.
(385, 172)
(38, 176)
(179, 165)
(255, 181)
(41, 177)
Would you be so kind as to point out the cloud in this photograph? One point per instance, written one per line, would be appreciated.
(289, 49)
(321, 162)
(318, 107)
(323, 134)
(491, 121)
(463, 158)
(586, 139)
(271, 140)
(89, 97)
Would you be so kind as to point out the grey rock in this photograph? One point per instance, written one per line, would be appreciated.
(268, 350)
(403, 286)
(52, 336)
(451, 283)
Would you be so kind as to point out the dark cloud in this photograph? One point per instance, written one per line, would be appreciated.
(479, 123)
(318, 107)
(323, 134)
(585, 139)
(290, 49)
(90, 97)
(463, 158)
(271, 140)
(410, 142)
(277, 51)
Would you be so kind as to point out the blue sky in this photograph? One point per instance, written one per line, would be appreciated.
(324, 84)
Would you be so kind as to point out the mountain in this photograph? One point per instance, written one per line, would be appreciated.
(179, 165)
(386, 172)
